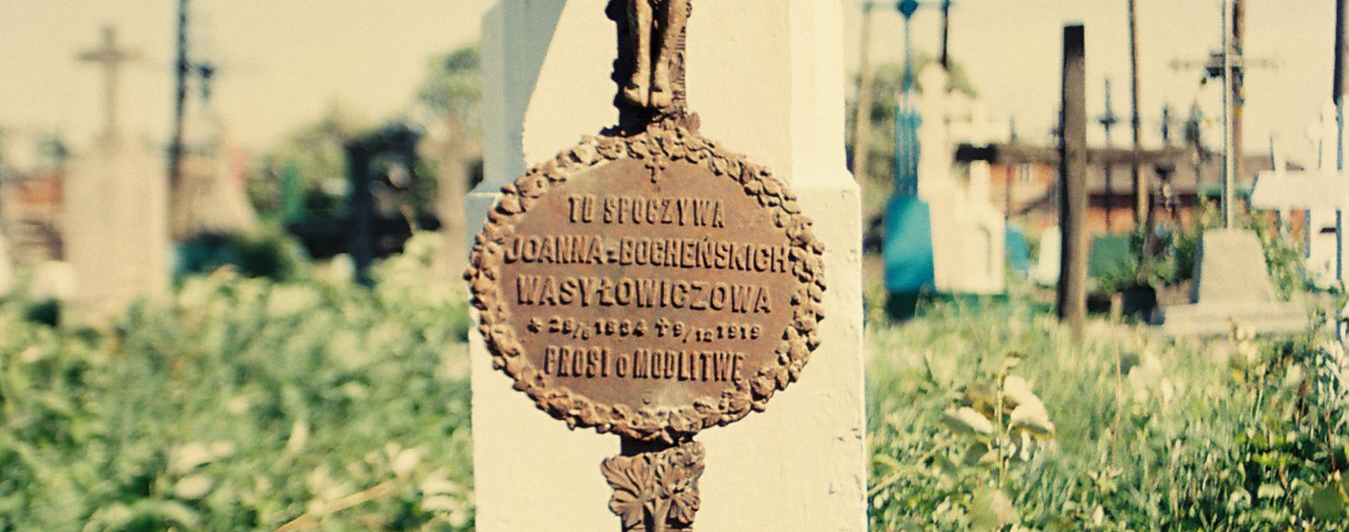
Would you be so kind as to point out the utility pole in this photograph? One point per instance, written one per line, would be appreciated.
(1337, 90)
(1229, 160)
(861, 138)
(183, 69)
(946, 35)
(1166, 125)
(1238, 87)
(1108, 121)
(1142, 189)
(1072, 295)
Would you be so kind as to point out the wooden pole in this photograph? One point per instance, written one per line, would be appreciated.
(361, 207)
(1072, 296)
(1337, 94)
(946, 35)
(1238, 73)
(1229, 159)
(182, 69)
(1341, 53)
(862, 124)
(1142, 188)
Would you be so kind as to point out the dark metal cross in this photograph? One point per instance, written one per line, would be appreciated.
(109, 56)
(1108, 121)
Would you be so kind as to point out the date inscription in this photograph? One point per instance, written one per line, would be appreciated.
(649, 293)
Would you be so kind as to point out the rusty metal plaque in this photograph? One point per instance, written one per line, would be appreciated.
(650, 286)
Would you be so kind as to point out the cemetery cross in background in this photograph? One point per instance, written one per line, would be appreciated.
(109, 56)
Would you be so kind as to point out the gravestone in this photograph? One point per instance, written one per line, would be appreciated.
(771, 90)
(968, 231)
(115, 213)
(1321, 193)
(1231, 289)
(210, 196)
(1048, 259)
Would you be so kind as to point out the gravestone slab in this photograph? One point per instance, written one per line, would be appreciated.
(1047, 261)
(1232, 289)
(772, 91)
(116, 226)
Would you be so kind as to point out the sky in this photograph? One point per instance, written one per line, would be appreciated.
(282, 63)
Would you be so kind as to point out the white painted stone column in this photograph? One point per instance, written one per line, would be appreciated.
(116, 230)
(767, 78)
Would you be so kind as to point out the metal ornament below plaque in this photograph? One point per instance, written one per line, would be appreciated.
(649, 283)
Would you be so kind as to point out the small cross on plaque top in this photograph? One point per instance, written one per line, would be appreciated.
(648, 282)
(111, 57)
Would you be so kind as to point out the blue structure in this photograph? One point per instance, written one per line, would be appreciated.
(908, 246)
(907, 250)
(1018, 252)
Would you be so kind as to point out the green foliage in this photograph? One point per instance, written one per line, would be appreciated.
(265, 251)
(1175, 265)
(316, 155)
(1148, 434)
(245, 405)
(453, 85)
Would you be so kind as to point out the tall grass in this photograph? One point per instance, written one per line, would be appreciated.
(1151, 434)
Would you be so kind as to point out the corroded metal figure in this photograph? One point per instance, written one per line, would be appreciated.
(656, 27)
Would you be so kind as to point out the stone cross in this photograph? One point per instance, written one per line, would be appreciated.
(109, 56)
(1322, 193)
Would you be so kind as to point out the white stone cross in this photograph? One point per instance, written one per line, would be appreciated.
(1321, 192)
(111, 58)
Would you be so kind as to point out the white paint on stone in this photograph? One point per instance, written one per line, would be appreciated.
(116, 229)
(766, 76)
(1049, 259)
(968, 231)
(1320, 193)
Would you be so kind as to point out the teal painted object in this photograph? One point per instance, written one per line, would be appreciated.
(1018, 252)
(908, 246)
(1110, 255)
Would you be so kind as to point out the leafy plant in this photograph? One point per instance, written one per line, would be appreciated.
(1148, 434)
(244, 404)
(999, 425)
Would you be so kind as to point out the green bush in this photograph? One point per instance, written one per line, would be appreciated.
(1175, 265)
(1148, 434)
(243, 405)
(266, 251)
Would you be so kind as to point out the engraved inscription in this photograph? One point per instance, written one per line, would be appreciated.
(692, 279)
(648, 285)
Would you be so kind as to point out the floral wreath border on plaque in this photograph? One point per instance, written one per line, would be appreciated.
(660, 144)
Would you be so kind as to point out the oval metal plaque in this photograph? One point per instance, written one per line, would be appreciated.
(650, 286)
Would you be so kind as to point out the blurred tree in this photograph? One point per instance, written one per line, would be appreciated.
(449, 102)
(313, 160)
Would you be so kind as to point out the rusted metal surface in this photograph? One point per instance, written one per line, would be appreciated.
(650, 286)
